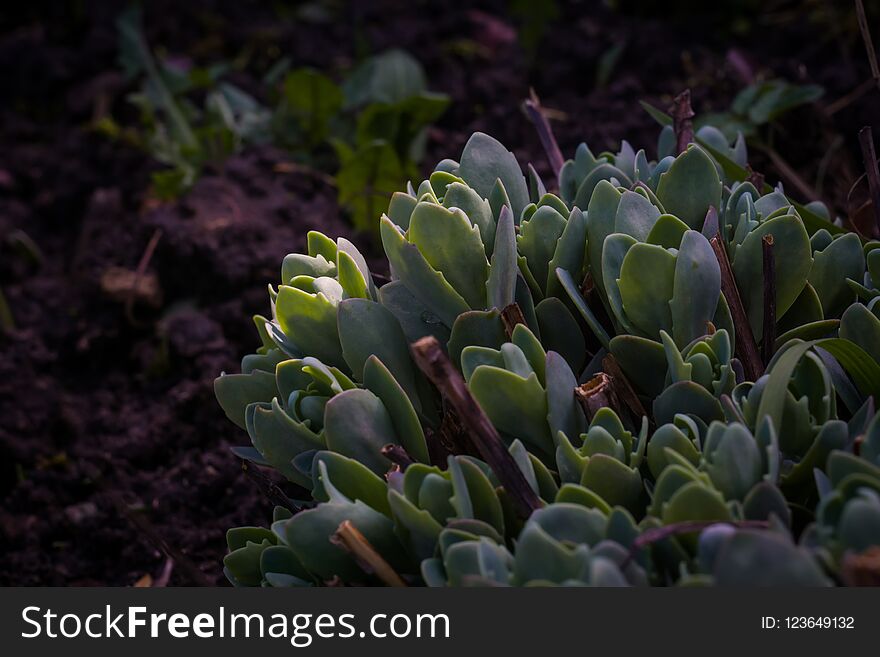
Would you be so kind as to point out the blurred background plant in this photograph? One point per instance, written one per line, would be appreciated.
(369, 130)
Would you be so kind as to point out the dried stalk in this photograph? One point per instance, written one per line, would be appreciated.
(624, 390)
(869, 44)
(866, 139)
(433, 361)
(757, 179)
(787, 172)
(139, 274)
(746, 347)
(769, 327)
(545, 133)
(511, 316)
(349, 538)
(397, 455)
(597, 393)
(682, 114)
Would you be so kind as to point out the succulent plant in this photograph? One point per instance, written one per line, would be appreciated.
(585, 416)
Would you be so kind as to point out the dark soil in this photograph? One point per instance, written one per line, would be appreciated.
(113, 452)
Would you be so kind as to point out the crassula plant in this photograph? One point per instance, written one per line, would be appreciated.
(662, 374)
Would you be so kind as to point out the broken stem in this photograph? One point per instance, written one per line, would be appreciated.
(435, 364)
(787, 171)
(682, 114)
(624, 390)
(768, 339)
(349, 538)
(545, 133)
(398, 455)
(511, 316)
(597, 393)
(866, 139)
(756, 178)
(746, 347)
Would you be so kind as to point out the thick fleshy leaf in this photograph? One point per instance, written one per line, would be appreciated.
(843, 258)
(636, 216)
(415, 318)
(319, 244)
(242, 565)
(451, 245)
(517, 406)
(536, 186)
(541, 559)
(669, 437)
(299, 264)
(350, 478)
(806, 309)
(861, 326)
(564, 413)
(643, 361)
(667, 232)
(570, 252)
(689, 398)
(560, 332)
(862, 368)
(366, 329)
(485, 160)
(577, 494)
(580, 303)
(792, 253)
(476, 208)
(280, 438)
(614, 251)
(400, 209)
(235, 392)
(357, 425)
(417, 528)
(603, 172)
(538, 238)
(690, 187)
(501, 285)
(423, 281)
(352, 251)
(308, 535)
(379, 380)
(351, 279)
(766, 559)
(733, 461)
(483, 502)
(478, 328)
(695, 502)
(601, 215)
(696, 289)
(614, 482)
(310, 321)
(646, 285)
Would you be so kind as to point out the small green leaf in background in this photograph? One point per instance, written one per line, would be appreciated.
(366, 180)
(390, 77)
(312, 99)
